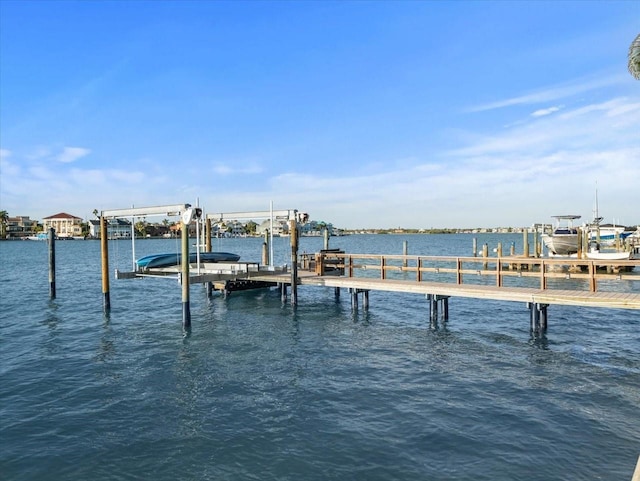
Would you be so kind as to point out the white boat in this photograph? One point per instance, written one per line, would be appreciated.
(596, 255)
(607, 234)
(564, 238)
(42, 236)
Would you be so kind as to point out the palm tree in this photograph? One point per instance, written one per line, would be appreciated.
(4, 217)
(141, 228)
(634, 58)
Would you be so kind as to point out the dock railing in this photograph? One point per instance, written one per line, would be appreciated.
(542, 273)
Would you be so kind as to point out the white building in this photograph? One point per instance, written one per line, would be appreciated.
(65, 225)
(116, 229)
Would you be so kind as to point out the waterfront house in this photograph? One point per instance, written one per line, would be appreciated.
(314, 228)
(65, 225)
(116, 229)
(20, 226)
(280, 227)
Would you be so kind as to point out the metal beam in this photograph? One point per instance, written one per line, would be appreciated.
(176, 209)
(260, 214)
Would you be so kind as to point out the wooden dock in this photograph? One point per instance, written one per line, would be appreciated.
(540, 281)
(518, 294)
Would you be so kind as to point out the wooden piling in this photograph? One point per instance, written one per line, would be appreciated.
(485, 254)
(433, 310)
(265, 248)
(475, 247)
(326, 238)
(293, 235)
(104, 250)
(525, 242)
(186, 308)
(581, 254)
(52, 263)
(207, 243)
(543, 317)
(593, 283)
(405, 252)
(538, 317)
(534, 316)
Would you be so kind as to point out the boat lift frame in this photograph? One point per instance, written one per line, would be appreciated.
(187, 214)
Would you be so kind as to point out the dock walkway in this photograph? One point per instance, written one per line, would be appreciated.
(518, 294)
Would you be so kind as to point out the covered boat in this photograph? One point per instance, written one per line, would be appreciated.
(174, 259)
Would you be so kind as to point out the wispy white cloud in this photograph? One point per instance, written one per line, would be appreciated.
(71, 154)
(38, 153)
(582, 128)
(547, 111)
(8, 168)
(515, 176)
(237, 168)
(28, 178)
(552, 93)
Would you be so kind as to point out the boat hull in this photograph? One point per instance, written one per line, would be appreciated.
(561, 244)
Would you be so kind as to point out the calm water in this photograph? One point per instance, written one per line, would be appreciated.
(259, 390)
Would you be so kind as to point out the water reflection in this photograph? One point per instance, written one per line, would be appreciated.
(186, 332)
(539, 340)
(51, 318)
(106, 350)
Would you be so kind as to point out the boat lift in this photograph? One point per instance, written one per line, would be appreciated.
(187, 214)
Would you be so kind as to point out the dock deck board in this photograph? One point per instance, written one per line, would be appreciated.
(245, 273)
(518, 294)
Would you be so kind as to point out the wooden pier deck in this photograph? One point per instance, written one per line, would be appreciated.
(540, 281)
(518, 294)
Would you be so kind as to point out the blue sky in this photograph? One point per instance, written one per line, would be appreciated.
(363, 114)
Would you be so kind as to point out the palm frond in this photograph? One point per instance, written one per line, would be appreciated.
(634, 58)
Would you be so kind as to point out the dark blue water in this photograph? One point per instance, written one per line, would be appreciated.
(259, 390)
